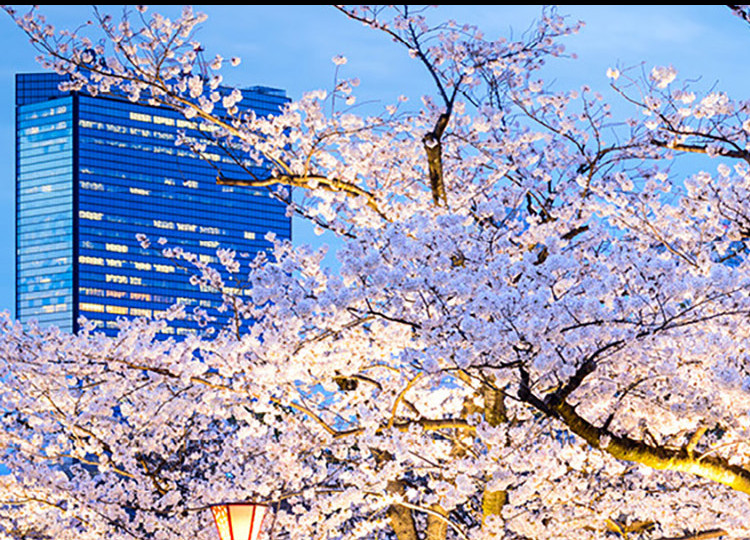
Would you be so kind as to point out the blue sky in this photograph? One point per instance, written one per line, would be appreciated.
(291, 47)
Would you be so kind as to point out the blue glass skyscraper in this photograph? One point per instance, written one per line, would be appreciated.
(91, 174)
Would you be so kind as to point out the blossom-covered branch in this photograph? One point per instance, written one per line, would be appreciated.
(537, 328)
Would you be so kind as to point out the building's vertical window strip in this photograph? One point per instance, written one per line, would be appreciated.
(76, 229)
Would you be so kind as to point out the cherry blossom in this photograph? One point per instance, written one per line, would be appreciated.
(537, 330)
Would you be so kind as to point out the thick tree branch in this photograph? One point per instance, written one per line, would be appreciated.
(703, 535)
(437, 523)
(627, 449)
(434, 149)
(657, 457)
(400, 516)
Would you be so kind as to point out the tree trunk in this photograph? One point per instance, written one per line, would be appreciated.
(494, 414)
(400, 517)
(437, 529)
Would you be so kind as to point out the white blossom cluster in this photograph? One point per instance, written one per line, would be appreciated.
(536, 331)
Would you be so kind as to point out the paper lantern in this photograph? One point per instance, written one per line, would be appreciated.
(239, 521)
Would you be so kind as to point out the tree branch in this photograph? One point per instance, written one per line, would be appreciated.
(703, 149)
(434, 149)
(704, 535)
(657, 457)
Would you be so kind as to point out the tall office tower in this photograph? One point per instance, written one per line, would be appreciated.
(91, 174)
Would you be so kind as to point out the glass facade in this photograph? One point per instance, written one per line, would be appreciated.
(94, 172)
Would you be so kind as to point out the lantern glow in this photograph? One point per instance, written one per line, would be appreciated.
(239, 521)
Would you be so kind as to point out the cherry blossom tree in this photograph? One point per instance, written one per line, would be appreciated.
(537, 330)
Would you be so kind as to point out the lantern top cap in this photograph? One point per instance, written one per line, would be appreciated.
(240, 503)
